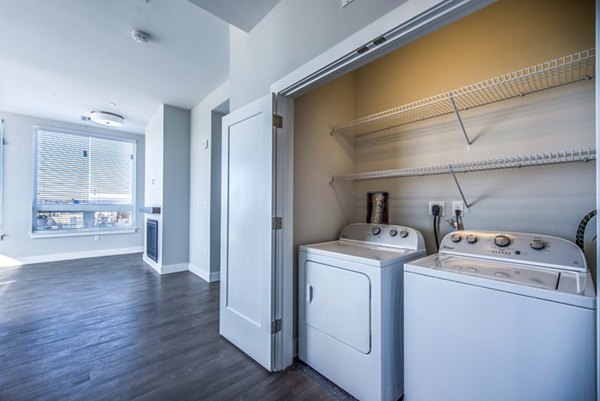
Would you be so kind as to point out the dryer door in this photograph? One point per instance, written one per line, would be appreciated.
(338, 303)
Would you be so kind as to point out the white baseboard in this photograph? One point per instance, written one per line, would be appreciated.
(79, 255)
(168, 269)
(176, 268)
(204, 274)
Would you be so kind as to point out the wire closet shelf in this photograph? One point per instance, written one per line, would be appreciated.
(561, 71)
(535, 159)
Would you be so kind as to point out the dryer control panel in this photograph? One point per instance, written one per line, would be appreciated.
(384, 235)
(532, 249)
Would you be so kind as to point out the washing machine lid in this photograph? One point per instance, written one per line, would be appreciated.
(550, 284)
(511, 273)
(365, 253)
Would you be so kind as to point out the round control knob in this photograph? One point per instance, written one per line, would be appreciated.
(471, 239)
(502, 240)
(403, 234)
(376, 230)
(393, 232)
(455, 238)
(537, 244)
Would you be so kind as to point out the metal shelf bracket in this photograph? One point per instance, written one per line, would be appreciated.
(462, 126)
(462, 195)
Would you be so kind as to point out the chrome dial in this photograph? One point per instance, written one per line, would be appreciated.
(455, 238)
(537, 244)
(471, 239)
(376, 230)
(403, 234)
(502, 240)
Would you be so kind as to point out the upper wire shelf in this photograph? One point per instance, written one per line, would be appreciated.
(536, 159)
(561, 71)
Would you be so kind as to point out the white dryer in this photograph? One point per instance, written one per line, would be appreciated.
(500, 316)
(350, 308)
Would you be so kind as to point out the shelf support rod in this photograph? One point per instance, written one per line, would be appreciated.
(462, 195)
(462, 126)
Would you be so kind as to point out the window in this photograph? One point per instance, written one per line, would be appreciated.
(1, 175)
(82, 182)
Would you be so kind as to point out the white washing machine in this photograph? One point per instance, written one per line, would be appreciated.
(350, 308)
(500, 316)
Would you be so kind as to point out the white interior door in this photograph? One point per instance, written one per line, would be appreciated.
(248, 274)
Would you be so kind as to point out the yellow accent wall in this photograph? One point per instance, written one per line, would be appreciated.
(503, 37)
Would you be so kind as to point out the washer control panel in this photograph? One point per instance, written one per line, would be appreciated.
(533, 249)
(384, 235)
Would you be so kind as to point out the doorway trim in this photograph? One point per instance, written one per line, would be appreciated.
(359, 49)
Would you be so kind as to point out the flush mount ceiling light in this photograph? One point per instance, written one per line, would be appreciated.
(106, 118)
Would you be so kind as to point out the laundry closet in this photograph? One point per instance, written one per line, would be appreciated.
(332, 149)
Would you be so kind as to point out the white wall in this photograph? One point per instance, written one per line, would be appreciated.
(200, 184)
(293, 33)
(154, 176)
(154, 158)
(18, 190)
(176, 186)
(167, 180)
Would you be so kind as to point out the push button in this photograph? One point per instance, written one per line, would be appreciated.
(537, 244)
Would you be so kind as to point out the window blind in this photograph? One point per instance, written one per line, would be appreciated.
(82, 181)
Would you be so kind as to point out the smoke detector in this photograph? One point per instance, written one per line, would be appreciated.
(140, 36)
(106, 118)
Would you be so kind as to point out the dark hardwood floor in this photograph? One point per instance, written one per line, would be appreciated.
(110, 328)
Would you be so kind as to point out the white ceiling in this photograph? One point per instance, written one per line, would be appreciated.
(61, 59)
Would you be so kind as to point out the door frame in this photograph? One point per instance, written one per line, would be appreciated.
(432, 15)
(284, 248)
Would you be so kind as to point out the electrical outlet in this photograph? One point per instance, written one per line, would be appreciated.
(458, 205)
(441, 204)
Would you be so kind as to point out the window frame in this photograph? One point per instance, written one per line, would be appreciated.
(76, 232)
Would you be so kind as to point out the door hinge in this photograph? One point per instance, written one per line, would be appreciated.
(277, 223)
(275, 326)
(277, 121)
